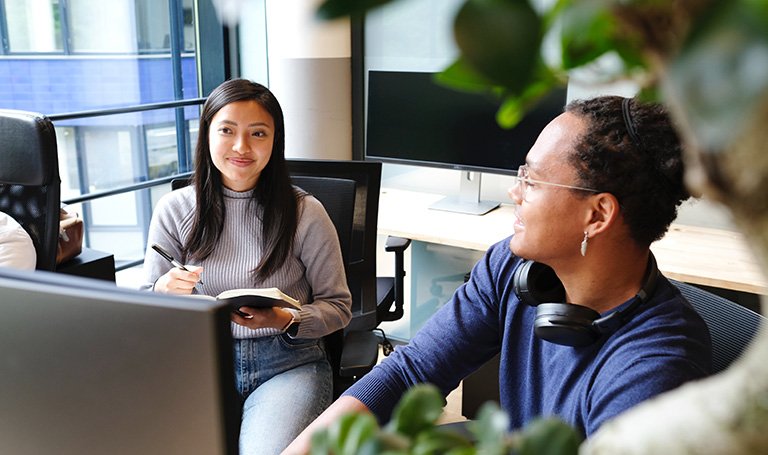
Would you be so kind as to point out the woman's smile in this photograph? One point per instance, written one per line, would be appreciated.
(240, 162)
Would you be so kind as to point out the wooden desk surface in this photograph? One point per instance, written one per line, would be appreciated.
(705, 256)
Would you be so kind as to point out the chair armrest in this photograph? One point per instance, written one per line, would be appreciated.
(391, 290)
(396, 244)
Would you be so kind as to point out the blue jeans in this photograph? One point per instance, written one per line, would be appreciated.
(285, 383)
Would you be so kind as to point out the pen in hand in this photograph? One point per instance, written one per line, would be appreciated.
(170, 258)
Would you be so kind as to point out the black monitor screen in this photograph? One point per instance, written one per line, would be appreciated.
(413, 120)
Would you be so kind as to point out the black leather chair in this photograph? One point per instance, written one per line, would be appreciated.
(374, 299)
(731, 328)
(338, 198)
(29, 179)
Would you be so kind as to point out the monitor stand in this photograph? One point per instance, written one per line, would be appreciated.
(468, 201)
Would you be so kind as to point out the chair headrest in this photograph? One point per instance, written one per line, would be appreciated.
(27, 149)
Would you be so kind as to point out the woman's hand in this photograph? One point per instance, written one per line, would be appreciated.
(178, 281)
(257, 318)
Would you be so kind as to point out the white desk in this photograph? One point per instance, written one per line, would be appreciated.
(704, 256)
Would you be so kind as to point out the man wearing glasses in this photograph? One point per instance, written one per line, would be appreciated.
(585, 325)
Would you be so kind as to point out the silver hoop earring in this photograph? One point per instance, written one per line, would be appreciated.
(584, 244)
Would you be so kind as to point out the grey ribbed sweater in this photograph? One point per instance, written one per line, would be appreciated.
(313, 273)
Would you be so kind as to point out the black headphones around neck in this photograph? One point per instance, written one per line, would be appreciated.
(570, 324)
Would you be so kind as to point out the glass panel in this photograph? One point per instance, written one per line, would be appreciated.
(117, 34)
(162, 155)
(436, 272)
(110, 53)
(120, 150)
(68, 170)
(153, 25)
(111, 157)
(33, 25)
(99, 26)
(189, 26)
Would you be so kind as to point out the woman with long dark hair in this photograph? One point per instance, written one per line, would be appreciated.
(241, 224)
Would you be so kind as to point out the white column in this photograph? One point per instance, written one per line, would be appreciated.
(309, 70)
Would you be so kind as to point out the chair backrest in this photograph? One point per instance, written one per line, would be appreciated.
(338, 198)
(731, 326)
(29, 179)
(361, 265)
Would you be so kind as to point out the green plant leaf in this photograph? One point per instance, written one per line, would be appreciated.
(334, 9)
(460, 75)
(338, 431)
(462, 451)
(438, 441)
(360, 436)
(321, 443)
(393, 443)
(418, 410)
(549, 436)
(587, 32)
(553, 14)
(500, 39)
(352, 434)
(491, 428)
(514, 107)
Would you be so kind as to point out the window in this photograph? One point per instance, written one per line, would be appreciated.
(113, 76)
(43, 17)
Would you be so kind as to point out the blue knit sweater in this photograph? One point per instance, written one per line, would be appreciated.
(664, 344)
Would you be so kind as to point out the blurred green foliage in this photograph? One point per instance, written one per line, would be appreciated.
(413, 430)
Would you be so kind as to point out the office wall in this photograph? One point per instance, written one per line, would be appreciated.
(307, 64)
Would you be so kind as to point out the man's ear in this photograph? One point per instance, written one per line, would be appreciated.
(603, 211)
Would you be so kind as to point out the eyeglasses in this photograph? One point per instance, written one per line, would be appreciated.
(525, 182)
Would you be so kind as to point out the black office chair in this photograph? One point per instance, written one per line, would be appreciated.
(374, 299)
(731, 328)
(29, 179)
(338, 198)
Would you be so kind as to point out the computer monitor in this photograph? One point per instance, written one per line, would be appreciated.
(86, 367)
(413, 120)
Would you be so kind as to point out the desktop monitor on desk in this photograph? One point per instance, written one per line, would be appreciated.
(86, 367)
(413, 120)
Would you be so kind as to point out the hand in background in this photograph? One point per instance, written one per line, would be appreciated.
(262, 317)
(178, 281)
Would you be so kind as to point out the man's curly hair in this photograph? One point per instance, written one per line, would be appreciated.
(643, 170)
